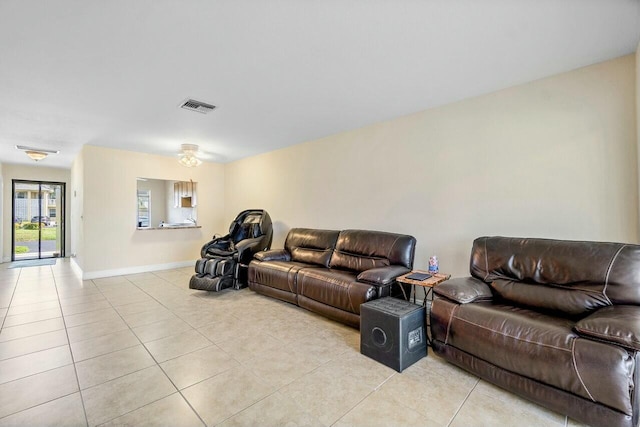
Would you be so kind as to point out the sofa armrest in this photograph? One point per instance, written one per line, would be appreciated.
(464, 290)
(618, 324)
(273, 255)
(382, 276)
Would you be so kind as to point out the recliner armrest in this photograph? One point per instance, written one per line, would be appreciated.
(618, 324)
(273, 255)
(464, 290)
(247, 247)
(382, 276)
(218, 242)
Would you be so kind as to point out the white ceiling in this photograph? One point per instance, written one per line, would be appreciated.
(112, 73)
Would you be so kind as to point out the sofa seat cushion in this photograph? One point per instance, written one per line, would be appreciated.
(335, 288)
(517, 339)
(277, 274)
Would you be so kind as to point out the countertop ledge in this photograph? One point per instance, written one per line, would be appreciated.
(181, 227)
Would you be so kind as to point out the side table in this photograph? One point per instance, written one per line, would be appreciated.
(427, 284)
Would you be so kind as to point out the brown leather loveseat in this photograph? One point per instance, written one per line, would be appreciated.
(333, 272)
(557, 322)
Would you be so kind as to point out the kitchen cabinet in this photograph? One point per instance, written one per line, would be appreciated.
(185, 194)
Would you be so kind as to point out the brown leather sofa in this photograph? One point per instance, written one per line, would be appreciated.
(557, 322)
(333, 272)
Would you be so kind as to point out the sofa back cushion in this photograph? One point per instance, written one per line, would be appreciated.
(568, 276)
(311, 246)
(360, 250)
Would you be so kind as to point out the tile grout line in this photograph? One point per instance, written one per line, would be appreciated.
(33, 321)
(208, 378)
(39, 404)
(15, 286)
(193, 328)
(121, 376)
(463, 402)
(75, 370)
(48, 370)
(150, 403)
(154, 359)
(31, 336)
(365, 398)
(212, 343)
(129, 328)
(34, 352)
(71, 353)
(117, 312)
(178, 390)
(107, 353)
(165, 307)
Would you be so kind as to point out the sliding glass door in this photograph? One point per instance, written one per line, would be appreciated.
(38, 220)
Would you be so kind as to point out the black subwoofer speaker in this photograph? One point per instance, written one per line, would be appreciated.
(392, 331)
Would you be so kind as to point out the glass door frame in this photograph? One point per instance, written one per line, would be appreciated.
(60, 217)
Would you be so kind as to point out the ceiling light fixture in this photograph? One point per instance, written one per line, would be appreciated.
(36, 154)
(188, 156)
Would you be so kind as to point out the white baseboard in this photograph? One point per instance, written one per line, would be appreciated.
(88, 275)
(75, 267)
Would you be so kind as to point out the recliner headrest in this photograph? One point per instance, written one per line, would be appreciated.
(252, 219)
(247, 225)
(247, 231)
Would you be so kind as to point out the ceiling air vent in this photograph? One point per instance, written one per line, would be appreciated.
(197, 106)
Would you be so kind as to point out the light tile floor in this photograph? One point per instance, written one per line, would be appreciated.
(144, 349)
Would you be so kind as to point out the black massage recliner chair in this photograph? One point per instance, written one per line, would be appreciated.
(225, 260)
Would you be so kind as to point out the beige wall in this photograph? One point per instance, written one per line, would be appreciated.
(1, 210)
(552, 158)
(110, 243)
(33, 173)
(77, 202)
(638, 111)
